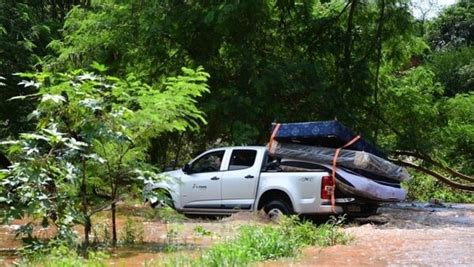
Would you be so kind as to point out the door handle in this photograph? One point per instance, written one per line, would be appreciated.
(215, 178)
(249, 176)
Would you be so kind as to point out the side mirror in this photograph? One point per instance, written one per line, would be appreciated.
(187, 168)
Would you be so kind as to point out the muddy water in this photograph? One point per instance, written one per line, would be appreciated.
(400, 235)
(188, 241)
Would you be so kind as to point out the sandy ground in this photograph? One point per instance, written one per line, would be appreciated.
(400, 235)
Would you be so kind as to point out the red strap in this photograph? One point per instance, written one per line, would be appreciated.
(272, 137)
(334, 162)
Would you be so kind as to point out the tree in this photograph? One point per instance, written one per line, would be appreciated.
(89, 147)
(454, 27)
(451, 38)
(269, 60)
(424, 9)
(283, 61)
(26, 29)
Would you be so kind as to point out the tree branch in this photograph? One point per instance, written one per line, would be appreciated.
(326, 26)
(349, 40)
(466, 187)
(101, 208)
(435, 163)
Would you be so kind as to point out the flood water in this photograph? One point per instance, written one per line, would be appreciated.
(400, 235)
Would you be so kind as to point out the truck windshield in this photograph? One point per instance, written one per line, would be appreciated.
(210, 162)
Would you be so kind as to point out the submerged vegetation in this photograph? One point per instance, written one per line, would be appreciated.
(251, 243)
(255, 243)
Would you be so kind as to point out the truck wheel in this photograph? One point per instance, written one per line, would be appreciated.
(276, 209)
(164, 200)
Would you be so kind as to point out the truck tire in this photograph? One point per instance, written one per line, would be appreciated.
(366, 211)
(276, 208)
(164, 201)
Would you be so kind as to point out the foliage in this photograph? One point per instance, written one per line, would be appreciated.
(425, 188)
(454, 69)
(458, 134)
(259, 243)
(26, 28)
(173, 243)
(201, 231)
(170, 215)
(362, 62)
(89, 147)
(101, 233)
(411, 109)
(132, 233)
(262, 56)
(454, 27)
(63, 256)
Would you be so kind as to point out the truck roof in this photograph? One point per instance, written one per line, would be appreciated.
(238, 147)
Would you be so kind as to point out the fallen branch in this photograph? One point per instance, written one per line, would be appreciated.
(466, 187)
(435, 163)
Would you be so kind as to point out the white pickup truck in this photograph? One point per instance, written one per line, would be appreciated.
(226, 180)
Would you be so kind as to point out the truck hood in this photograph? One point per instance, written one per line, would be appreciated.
(176, 174)
(168, 180)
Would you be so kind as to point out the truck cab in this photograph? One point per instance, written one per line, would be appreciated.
(219, 180)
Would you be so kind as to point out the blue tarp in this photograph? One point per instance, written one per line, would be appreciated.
(323, 133)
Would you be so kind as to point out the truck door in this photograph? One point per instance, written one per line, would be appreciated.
(239, 182)
(201, 185)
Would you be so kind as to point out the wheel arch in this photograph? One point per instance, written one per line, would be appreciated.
(167, 192)
(275, 194)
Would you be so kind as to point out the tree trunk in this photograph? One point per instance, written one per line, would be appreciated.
(114, 226)
(87, 231)
(379, 50)
(178, 150)
(348, 44)
(379, 60)
(85, 206)
(113, 208)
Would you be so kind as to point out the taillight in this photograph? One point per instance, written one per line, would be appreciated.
(327, 187)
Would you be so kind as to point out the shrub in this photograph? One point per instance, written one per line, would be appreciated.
(132, 233)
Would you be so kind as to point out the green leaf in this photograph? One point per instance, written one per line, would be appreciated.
(54, 98)
(22, 97)
(33, 136)
(99, 67)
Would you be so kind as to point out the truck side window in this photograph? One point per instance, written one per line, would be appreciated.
(210, 162)
(242, 159)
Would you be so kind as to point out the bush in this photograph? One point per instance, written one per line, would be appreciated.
(132, 233)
